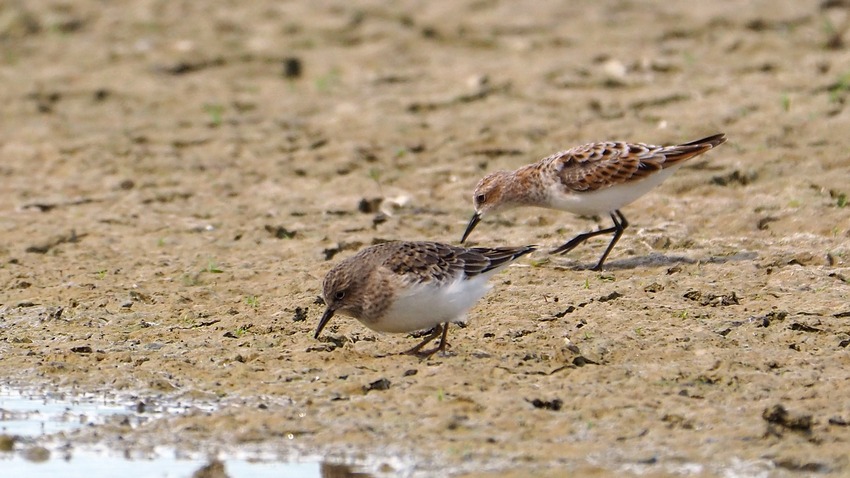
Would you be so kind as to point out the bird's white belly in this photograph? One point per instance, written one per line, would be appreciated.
(425, 305)
(605, 200)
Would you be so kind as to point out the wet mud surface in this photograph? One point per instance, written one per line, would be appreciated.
(177, 177)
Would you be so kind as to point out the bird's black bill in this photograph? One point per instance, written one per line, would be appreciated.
(326, 317)
(476, 218)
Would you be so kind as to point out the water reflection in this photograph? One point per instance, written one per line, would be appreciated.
(34, 414)
(102, 464)
(32, 444)
(26, 415)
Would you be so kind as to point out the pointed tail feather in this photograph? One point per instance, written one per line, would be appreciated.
(682, 152)
(711, 141)
(501, 256)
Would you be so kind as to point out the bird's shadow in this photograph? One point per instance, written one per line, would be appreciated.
(659, 260)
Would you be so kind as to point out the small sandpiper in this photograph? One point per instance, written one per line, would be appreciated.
(591, 179)
(409, 286)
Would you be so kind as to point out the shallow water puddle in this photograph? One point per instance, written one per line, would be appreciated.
(97, 464)
(29, 421)
(33, 415)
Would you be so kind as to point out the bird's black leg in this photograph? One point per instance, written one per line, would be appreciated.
(620, 225)
(443, 343)
(433, 335)
(423, 354)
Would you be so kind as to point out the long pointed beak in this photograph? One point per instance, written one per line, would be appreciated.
(326, 317)
(476, 218)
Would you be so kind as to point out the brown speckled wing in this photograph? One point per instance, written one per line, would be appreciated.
(420, 262)
(598, 165)
(425, 261)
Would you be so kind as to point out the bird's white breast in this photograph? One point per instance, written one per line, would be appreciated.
(423, 306)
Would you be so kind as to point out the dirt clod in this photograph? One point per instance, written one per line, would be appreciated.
(213, 469)
(300, 314)
(554, 405)
(280, 232)
(779, 418)
(380, 384)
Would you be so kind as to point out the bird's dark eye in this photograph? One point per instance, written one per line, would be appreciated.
(340, 294)
(480, 198)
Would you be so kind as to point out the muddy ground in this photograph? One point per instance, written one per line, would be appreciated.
(177, 177)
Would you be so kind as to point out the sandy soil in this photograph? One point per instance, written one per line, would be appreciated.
(177, 177)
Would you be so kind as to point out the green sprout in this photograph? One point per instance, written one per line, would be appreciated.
(375, 175)
(191, 280)
(326, 82)
(213, 268)
(842, 85)
(216, 111)
(841, 200)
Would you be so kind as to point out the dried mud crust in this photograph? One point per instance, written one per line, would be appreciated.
(177, 179)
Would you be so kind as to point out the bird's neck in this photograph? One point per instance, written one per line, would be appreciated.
(525, 187)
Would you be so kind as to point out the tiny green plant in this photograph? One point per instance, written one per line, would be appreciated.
(587, 283)
(215, 111)
(191, 280)
(786, 102)
(841, 86)
(841, 200)
(828, 28)
(100, 274)
(213, 268)
(327, 81)
(834, 36)
(375, 175)
(683, 314)
(252, 301)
